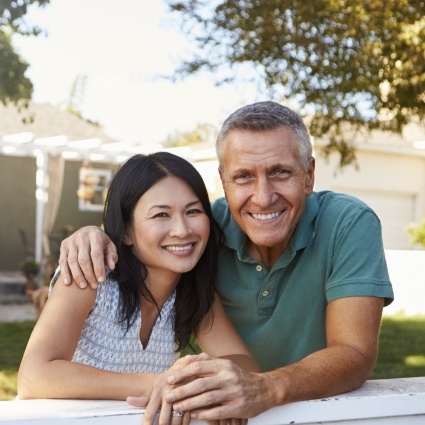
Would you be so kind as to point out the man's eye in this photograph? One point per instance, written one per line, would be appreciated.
(241, 177)
(281, 172)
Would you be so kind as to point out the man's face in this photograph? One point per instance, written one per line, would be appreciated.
(265, 185)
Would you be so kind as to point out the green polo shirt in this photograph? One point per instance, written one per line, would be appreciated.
(335, 252)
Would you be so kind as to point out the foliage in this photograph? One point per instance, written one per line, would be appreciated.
(13, 340)
(416, 233)
(76, 98)
(14, 85)
(201, 133)
(401, 350)
(345, 62)
(29, 263)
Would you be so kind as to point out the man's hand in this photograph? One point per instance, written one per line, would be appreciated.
(83, 256)
(162, 388)
(157, 401)
(218, 389)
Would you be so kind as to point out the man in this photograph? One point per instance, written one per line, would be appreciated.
(302, 274)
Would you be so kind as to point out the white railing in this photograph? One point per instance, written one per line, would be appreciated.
(388, 401)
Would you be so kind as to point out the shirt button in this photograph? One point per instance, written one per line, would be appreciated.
(265, 293)
(259, 268)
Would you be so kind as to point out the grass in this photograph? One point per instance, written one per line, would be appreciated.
(401, 350)
(13, 340)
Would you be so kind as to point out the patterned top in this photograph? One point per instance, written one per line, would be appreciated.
(105, 344)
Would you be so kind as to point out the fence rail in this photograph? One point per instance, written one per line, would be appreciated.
(388, 401)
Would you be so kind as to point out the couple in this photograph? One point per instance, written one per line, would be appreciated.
(301, 275)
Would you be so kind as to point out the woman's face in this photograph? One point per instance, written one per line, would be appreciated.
(169, 230)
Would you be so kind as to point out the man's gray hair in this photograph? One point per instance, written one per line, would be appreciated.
(266, 116)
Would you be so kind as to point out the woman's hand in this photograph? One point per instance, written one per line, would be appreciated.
(157, 400)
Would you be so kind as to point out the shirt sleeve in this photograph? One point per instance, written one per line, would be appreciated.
(358, 266)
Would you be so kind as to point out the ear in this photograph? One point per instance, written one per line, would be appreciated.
(128, 240)
(309, 177)
(221, 173)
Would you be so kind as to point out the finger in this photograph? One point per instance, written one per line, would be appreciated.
(152, 408)
(84, 271)
(70, 269)
(165, 416)
(67, 252)
(198, 390)
(178, 420)
(186, 418)
(64, 270)
(196, 402)
(111, 255)
(218, 412)
(100, 245)
(196, 366)
(138, 401)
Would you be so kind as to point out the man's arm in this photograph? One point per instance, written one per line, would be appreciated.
(352, 327)
(83, 256)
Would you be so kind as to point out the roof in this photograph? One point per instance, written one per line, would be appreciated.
(46, 120)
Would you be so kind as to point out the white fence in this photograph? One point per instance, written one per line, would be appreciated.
(407, 274)
(389, 402)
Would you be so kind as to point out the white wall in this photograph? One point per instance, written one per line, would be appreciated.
(407, 274)
(391, 180)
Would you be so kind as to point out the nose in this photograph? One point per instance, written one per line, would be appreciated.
(262, 192)
(180, 227)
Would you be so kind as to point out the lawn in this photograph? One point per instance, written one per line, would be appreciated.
(401, 350)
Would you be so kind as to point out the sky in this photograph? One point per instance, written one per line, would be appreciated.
(123, 48)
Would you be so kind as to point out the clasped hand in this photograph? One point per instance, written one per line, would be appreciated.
(205, 388)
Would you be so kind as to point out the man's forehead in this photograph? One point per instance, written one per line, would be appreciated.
(236, 165)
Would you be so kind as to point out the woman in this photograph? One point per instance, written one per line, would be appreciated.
(124, 338)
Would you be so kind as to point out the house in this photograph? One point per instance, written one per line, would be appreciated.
(22, 166)
(390, 178)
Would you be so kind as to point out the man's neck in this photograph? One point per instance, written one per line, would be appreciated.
(267, 255)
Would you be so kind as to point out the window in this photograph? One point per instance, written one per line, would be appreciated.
(92, 188)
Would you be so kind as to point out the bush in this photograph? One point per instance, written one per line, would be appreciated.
(416, 233)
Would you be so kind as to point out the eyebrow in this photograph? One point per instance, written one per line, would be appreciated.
(271, 168)
(169, 207)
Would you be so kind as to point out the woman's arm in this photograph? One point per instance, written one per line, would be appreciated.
(46, 369)
(218, 338)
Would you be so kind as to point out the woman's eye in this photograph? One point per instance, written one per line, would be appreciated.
(194, 211)
(161, 215)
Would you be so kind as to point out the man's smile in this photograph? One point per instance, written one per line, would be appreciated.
(266, 216)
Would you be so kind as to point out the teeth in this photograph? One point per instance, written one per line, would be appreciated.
(266, 216)
(178, 248)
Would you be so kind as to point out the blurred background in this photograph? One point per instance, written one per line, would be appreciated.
(86, 84)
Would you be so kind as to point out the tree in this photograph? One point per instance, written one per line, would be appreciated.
(357, 64)
(416, 233)
(14, 85)
(201, 133)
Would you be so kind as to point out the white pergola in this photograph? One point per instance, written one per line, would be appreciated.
(50, 154)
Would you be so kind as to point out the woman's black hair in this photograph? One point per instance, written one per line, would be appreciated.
(195, 291)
